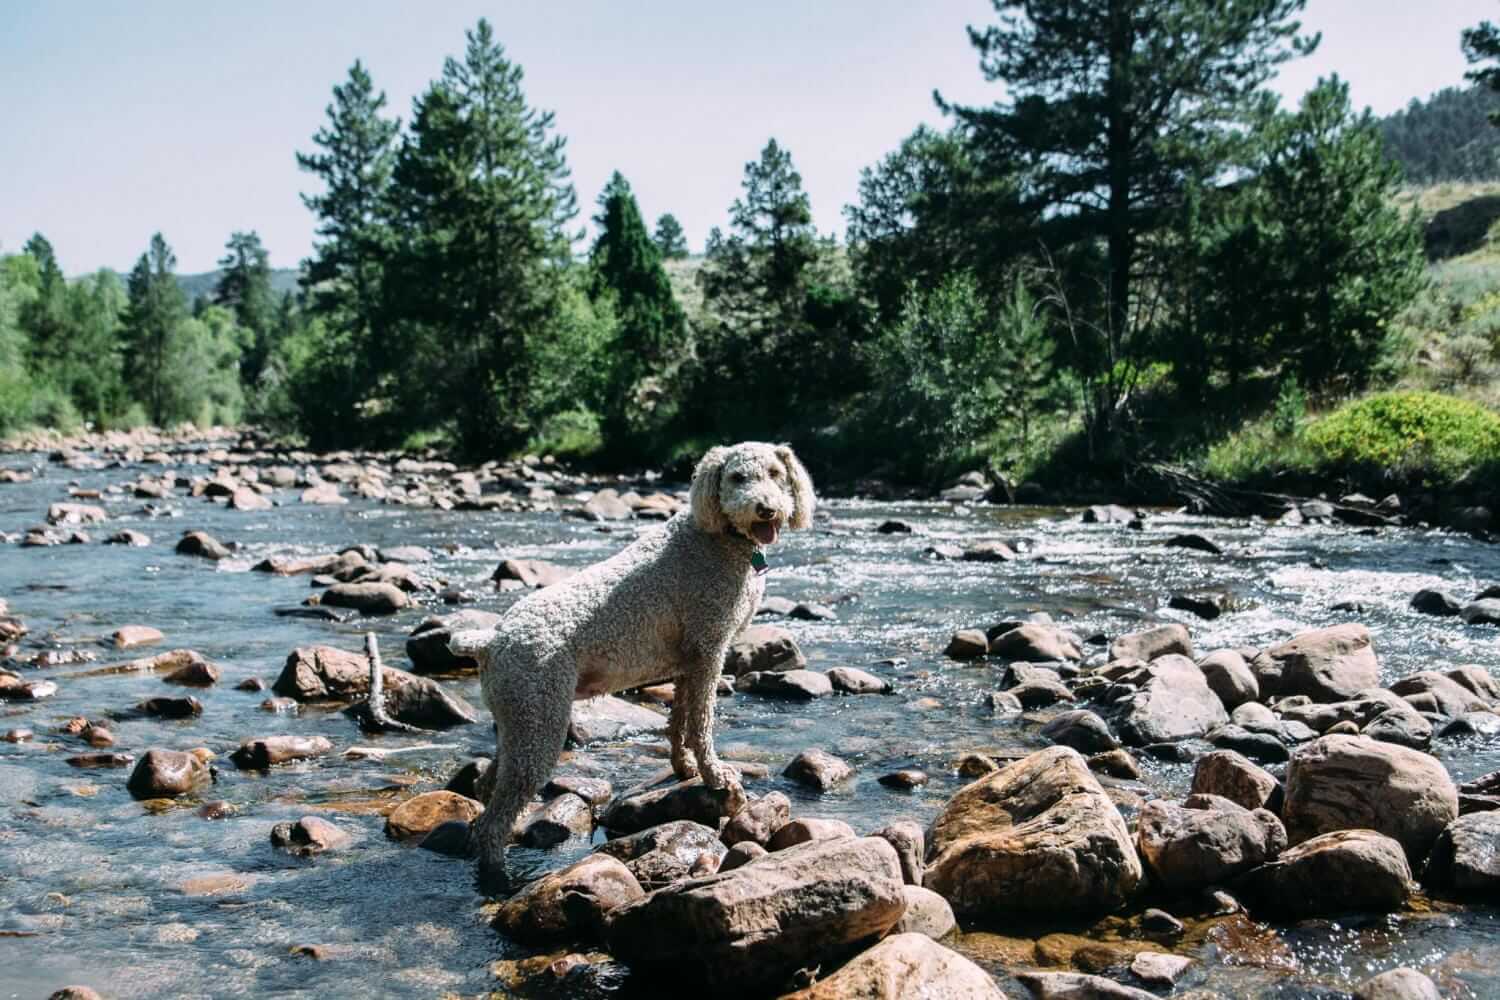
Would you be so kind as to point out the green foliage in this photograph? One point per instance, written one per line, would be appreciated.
(245, 288)
(1291, 408)
(570, 434)
(670, 239)
(1423, 432)
(1481, 44)
(1445, 137)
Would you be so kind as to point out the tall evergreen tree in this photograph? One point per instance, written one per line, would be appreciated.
(1481, 44)
(651, 327)
(45, 317)
(152, 333)
(244, 287)
(1112, 105)
(670, 239)
(484, 203)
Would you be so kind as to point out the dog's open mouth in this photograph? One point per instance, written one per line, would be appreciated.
(765, 532)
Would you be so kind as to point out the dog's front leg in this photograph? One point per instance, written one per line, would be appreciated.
(683, 764)
(695, 697)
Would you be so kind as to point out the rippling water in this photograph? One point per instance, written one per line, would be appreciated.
(96, 889)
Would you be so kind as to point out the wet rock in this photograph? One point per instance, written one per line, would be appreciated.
(806, 829)
(905, 779)
(967, 644)
(468, 780)
(166, 774)
(1082, 730)
(421, 814)
(1347, 870)
(1466, 855)
(75, 993)
(1345, 782)
(196, 672)
(894, 528)
(268, 751)
(200, 543)
(989, 552)
(758, 821)
(1431, 691)
(803, 685)
(1078, 986)
(450, 839)
(763, 648)
(366, 598)
(1174, 703)
(572, 904)
(17, 735)
(1108, 514)
(1477, 680)
(1229, 677)
(1206, 604)
(280, 706)
(635, 810)
(427, 646)
(822, 899)
(1329, 664)
(1257, 746)
(556, 821)
(1436, 602)
(1482, 612)
(818, 769)
(100, 760)
(609, 718)
(1230, 775)
(775, 606)
(851, 680)
(1035, 643)
(1156, 969)
(332, 564)
(1040, 691)
(75, 513)
(130, 537)
(532, 574)
(1152, 643)
(251, 684)
(1472, 725)
(1195, 542)
(1002, 703)
(1039, 836)
(1189, 849)
(810, 611)
(944, 551)
(594, 791)
(13, 687)
(324, 494)
(131, 636)
(322, 673)
(907, 838)
(906, 964)
(1402, 725)
(308, 836)
(170, 708)
(668, 853)
(246, 498)
(1397, 984)
(1116, 764)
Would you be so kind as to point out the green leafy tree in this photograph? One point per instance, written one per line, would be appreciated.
(1481, 44)
(90, 371)
(483, 201)
(153, 330)
(345, 277)
(17, 286)
(45, 316)
(650, 325)
(1112, 106)
(244, 287)
(670, 239)
(1445, 138)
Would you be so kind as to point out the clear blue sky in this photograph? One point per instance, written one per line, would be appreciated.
(122, 119)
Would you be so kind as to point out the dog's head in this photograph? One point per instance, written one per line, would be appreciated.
(752, 488)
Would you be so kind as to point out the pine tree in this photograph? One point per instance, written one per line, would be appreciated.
(1482, 44)
(670, 239)
(651, 327)
(1112, 106)
(483, 204)
(152, 331)
(244, 287)
(44, 318)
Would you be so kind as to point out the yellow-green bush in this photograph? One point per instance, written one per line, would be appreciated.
(1407, 431)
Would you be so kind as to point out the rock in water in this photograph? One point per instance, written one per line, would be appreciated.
(1191, 849)
(571, 904)
(1398, 984)
(901, 966)
(1327, 664)
(167, 773)
(1175, 703)
(1332, 873)
(751, 928)
(427, 646)
(1466, 856)
(1039, 836)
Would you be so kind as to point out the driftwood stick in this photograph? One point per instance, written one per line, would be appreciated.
(379, 721)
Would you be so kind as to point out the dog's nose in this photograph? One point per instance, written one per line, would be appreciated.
(766, 513)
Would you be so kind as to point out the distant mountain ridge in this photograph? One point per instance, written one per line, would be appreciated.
(201, 286)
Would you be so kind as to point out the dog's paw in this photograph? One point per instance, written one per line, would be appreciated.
(684, 768)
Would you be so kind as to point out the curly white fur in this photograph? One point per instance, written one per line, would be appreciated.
(664, 608)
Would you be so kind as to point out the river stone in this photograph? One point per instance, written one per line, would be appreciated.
(1445, 695)
(1472, 725)
(1035, 643)
(594, 791)
(1485, 611)
(366, 598)
(533, 574)
(419, 815)
(635, 810)
(762, 648)
(1327, 664)
(1082, 730)
(667, 853)
(751, 928)
(1190, 849)
(1401, 983)
(322, 673)
(167, 773)
(1229, 677)
(572, 904)
(802, 685)
(75, 513)
(247, 498)
(806, 829)
(1432, 601)
(1476, 679)
(201, 543)
(170, 708)
(1466, 855)
(608, 718)
(1110, 513)
(905, 965)
(1333, 873)
(851, 680)
(322, 493)
(1157, 969)
(967, 644)
(1175, 703)
(1206, 604)
(1230, 775)
(1150, 644)
(1078, 986)
(990, 551)
(427, 646)
(260, 754)
(818, 769)
(1402, 725)
(758, 821)
(131, 636)
(1039, 836)
(741, 854)
(557, 820)
(130, 537)
(1344, 782)
(308, 836)
(907, 838)
(926, 913)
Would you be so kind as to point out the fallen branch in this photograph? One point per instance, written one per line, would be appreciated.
(1204, 497)
(376, 720)
(381, 753)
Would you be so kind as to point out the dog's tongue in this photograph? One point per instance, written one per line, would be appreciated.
(764, 532)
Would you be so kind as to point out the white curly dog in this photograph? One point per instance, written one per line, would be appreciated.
(664, 608)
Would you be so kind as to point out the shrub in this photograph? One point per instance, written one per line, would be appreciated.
(1421, 433)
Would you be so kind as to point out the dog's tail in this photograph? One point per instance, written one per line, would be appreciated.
(471, 643)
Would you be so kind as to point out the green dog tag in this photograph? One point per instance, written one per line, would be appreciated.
(758, 561)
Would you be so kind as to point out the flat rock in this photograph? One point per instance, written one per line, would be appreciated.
(1174, 703)
(802, 685)
(200, 543)
(1398, 984)
(419, 815)
(671, 852)
(366, 598)
(1485, 611)
(851, 680)
(806, 829)
(607, 718)
(1151, 643)
(131, 636)
(267, 751)
(532, 574)
(906, 964)
(818, 769)
(1078, 986)
(1035, 643)
(634, 810)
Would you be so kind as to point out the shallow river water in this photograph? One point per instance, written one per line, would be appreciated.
(97, 889)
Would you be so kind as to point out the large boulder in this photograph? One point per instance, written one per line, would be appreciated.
(571, 904)
(1230, 775)
(750, 929)
(1230, 677)
(636, 809)
(1333, 873)
(1191, 849)
(1033, 642)
(1326, 664)
(1348, 782)
(901, 966)
(322, 673)
(166, 774)
(427, 646)
(609, 718)
(366, 598)
(1401, 983)
(1175, 703)
(1039, 836)
(1150, 644)
(1466, 855)
(661, 855)
(1430, 691)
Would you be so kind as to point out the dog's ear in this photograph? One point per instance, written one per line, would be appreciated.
(703, 501)
(802, 488)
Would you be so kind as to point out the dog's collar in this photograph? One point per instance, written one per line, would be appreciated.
(758, 561)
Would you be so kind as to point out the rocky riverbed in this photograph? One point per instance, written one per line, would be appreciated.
(992, 751)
